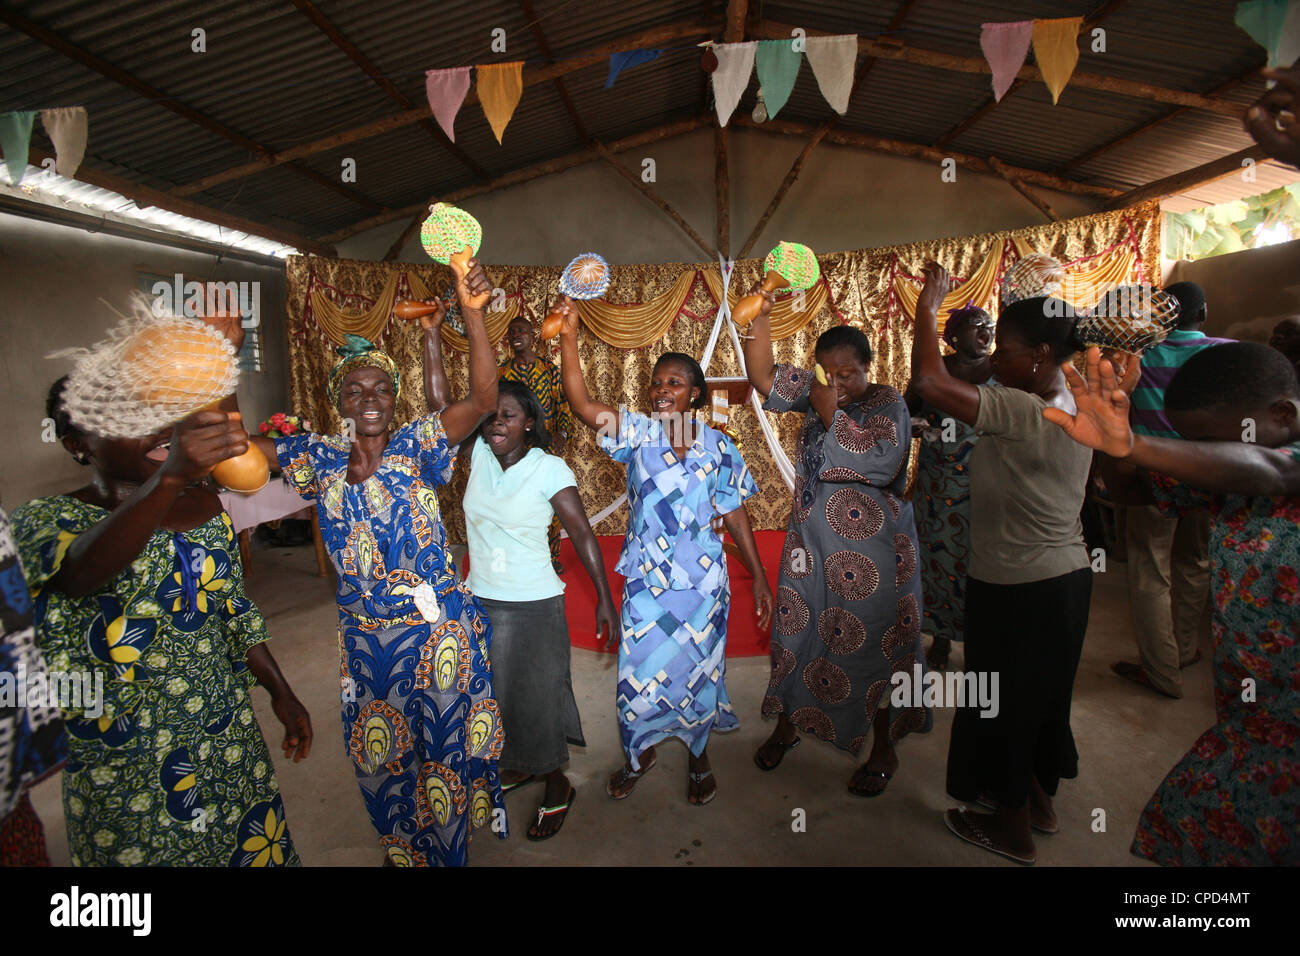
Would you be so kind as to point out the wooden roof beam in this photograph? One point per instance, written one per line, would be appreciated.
(519, 176)
(87, 59)
(843, 137)
(1190, 178)
(336, 36)
(600, 54)
(1039, 203)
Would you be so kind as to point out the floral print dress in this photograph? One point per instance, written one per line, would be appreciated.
(168, 767)
(1234, 798)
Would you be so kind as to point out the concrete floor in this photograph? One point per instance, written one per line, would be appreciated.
(1127, 737)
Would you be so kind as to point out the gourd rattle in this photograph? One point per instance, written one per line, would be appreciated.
(788, 266)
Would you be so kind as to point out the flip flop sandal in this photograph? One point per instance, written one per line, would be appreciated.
(507, 787)
(626, 775)
(544, 812)
(988, 803)
(785, 748)
(870, 773)
(697, 779)
(1134, 672)
(978, 838)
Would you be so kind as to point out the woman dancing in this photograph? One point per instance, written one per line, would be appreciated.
(1027, 596)
(137, 581)
(680, 473)
(515, 488)
(848, 612)
(942, 496)
(419, 718)
(1234, 799)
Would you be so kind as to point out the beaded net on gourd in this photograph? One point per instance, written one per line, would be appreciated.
(586, 277)
(1032, 275)
(149, 373)
(1131, 318)
(448, 230)
(795, 263)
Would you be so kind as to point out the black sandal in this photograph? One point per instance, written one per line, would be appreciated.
(785, 748)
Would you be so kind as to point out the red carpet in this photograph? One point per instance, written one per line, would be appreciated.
(743, 637)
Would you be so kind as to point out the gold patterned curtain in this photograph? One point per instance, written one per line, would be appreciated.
(860, 286)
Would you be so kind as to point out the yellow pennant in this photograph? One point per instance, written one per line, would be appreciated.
(1056, 50)
(499, 87)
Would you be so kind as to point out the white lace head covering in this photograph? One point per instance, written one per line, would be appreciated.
(151, 371)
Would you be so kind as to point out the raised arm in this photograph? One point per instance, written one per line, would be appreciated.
(930, 377)
(1220, 467)
(436, 393)
(461, 418)
(758, 344)
(104, 550)
(568, 507)
(594, 414)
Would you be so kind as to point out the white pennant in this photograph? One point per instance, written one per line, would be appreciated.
(735, 64)
(68, 128)
(832, 60)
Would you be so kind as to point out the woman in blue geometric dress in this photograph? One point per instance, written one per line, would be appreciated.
(419, 719)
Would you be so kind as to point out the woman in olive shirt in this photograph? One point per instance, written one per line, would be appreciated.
(1030, 580)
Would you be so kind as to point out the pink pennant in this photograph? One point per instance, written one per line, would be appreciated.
(1005, 46)
(446, 90)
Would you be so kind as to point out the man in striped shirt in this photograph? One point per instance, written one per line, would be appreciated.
(1168, 562)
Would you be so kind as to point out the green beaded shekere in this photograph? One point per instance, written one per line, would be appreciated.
(795, 263)
(447, 231)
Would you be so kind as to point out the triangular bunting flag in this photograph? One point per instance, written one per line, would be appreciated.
(618, 62)
(1005, 46)
(67, 127)
(499, 87)
(735, 63)
(446, 90)
(778, 68)
(832, 60)
(1056, 49)
(16, 140)
(1266, 22)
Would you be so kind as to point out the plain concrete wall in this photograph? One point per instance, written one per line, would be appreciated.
(1246, 292)
(844, 198)
(51, 280)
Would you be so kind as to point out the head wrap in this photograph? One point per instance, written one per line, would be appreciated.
(959, 317)
(355, 353)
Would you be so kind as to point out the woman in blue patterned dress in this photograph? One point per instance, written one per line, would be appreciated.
(680, 474)
(942, 496)
(419, 719)
(1234, 798)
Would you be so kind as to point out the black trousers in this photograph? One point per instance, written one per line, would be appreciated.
(1030, 636)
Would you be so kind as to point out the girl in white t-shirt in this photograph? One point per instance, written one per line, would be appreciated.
(514, 490)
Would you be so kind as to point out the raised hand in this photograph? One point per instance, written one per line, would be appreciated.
(1272, 119)
(1101, 421)
(231, 326)
(566, 307)
(472, 285)
(937, 285)
(201, 441)
(433, 321)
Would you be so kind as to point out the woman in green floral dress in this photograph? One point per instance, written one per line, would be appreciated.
(137, 583)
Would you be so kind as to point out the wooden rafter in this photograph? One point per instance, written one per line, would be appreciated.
(818, 135)
(599, 54)
(336, 36)
(722, 189)
(143, 196)
(1190, 178)
(1155, 123)
(115, 73)
(518, 176)
(649, 192)
(894, 147)
(991, 103)
(734, 25)
(1040, 204)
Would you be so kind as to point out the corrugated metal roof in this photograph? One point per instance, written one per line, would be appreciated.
(272, 76)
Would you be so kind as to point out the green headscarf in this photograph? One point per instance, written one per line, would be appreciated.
(355, 353)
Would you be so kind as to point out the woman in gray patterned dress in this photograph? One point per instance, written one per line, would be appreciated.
(848, 612)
